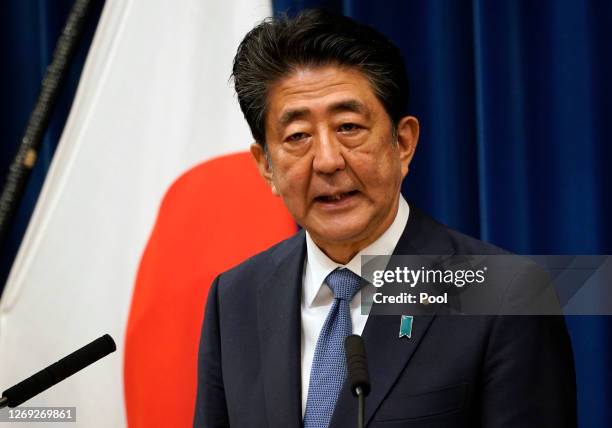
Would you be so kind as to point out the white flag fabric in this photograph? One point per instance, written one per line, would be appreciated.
(154, 101)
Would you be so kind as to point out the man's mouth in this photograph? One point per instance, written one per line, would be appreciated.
(337, 197)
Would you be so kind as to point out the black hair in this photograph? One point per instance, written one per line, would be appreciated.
(315, 37)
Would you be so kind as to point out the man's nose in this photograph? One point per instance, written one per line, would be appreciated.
(328, 154)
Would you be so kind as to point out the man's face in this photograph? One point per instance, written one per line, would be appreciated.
(333, 158)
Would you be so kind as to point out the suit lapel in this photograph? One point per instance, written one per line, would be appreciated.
(387, 357)
(278, 309)
(387, 353)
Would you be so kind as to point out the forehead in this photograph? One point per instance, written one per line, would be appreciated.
(320, 89)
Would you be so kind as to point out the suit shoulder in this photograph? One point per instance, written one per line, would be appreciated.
(425, 235)
(466, 244)
(262, 263)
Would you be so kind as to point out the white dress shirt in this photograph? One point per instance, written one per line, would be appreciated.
(317, 297)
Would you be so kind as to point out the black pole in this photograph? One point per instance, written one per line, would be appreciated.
(55, 75)
(358, 375)
(361, 410)
(58, 371)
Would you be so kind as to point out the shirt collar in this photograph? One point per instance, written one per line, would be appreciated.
(318, 265)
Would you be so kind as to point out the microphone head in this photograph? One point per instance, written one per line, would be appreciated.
(357, 364)
(106, 344)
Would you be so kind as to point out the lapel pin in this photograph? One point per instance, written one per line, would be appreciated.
(406, 326)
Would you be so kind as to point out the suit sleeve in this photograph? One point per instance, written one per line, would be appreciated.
(529, 378)
(211, 407)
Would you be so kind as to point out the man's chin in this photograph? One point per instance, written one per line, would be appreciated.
(340, 235)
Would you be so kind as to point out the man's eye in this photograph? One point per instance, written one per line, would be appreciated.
(297, 136)
(348, 127)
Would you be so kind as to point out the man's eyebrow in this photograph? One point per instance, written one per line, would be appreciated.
(353, 106)
(338, 107)
(290, 115)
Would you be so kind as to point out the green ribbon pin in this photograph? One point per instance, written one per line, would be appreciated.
(406, 326)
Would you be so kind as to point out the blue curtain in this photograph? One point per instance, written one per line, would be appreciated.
(29, 30)
(515, 103)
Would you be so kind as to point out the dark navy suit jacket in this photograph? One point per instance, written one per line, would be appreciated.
(459, 371)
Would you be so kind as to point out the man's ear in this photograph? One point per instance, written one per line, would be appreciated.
(264, 167)
(407, 139)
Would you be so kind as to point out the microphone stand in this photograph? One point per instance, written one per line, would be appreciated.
(358, 376)
(361, 411)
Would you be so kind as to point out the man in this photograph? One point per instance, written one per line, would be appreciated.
(325, 99)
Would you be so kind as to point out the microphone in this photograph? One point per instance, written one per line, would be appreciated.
(58, 371)
(358, 376)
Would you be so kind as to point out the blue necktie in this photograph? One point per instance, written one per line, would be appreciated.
(329, 363)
